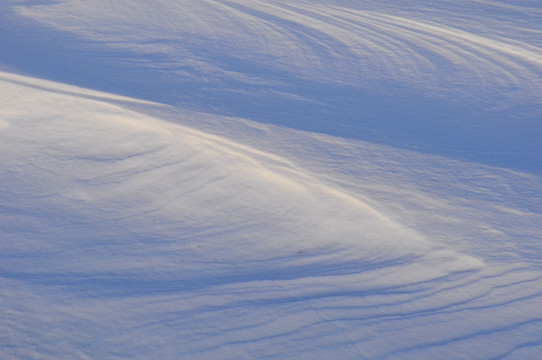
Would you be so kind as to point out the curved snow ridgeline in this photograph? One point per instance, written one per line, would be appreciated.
(93, 166)
(315, 40)
(411, 75)
(239, 179)
(108, 202)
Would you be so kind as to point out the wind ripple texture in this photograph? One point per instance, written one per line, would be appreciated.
(418, 76)
(314, 40)
(270, 179)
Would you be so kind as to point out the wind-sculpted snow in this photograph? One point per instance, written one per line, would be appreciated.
(132, 237)
(313, 40)
(214, 179)
(424, 76)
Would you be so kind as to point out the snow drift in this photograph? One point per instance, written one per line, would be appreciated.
(267, 179)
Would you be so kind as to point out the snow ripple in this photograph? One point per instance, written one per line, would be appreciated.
(128, 234)
(125, 236)
(414, 76)
(110, 206)
(368, 44)
(312, 40)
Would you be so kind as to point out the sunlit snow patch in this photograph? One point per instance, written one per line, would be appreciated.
(95, 173)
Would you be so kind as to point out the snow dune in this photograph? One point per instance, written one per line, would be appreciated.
(125, 205)
(267, 179)
(107, 161)
(407, 75)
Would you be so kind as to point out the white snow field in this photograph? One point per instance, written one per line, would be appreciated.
(269, 179)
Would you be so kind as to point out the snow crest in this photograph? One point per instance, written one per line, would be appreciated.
(246, 179)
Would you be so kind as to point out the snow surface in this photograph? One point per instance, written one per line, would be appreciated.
(270, 179)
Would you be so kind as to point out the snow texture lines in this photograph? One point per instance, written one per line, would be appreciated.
(270, 179)
(418, 76)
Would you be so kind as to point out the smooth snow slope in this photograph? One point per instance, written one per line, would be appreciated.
(227, 189)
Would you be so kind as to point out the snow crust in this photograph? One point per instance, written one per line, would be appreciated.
(270, 179)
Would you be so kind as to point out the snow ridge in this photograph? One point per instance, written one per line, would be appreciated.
(228, 179)
(407, 75)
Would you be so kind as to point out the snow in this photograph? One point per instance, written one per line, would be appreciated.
(267, 179)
